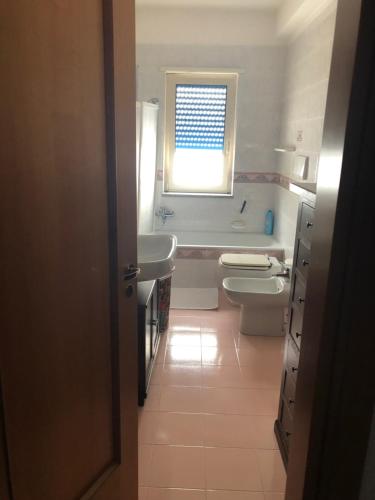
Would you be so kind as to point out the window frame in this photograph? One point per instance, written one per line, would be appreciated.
(172, 79)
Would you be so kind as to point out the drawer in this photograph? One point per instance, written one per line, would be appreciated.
(303, 259)
(299, 292)
(289, 392)
(292, 359)
(306, 222)
(286, 423)
(295, 325)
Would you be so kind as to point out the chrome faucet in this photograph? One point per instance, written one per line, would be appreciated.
(164, 213)
(285, 273)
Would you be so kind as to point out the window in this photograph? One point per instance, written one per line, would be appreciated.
(199, 133)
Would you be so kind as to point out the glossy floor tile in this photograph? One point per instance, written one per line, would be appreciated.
(183, 355)
(232, 469)
(206, 430)
(174, 494)
(144, 463)
(171, 374)
(177, 467)
(238, 431)
(234, 495)
(272, 470)
(240, 401)
(221, 356)
(274, 496)
(181, 399)
(171, 428)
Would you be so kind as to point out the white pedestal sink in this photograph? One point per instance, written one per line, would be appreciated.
(156, 255)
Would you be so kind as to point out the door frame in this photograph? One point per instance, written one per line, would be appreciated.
(336, 390)
(121, 106)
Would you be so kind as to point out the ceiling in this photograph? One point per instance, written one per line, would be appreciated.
(244, 4)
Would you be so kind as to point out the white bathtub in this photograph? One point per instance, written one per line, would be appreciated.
(224, 240)
(198, 253)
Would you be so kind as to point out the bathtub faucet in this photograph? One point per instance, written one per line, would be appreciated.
(163, 213)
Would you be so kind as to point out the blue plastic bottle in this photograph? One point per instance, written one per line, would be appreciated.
(269, 222)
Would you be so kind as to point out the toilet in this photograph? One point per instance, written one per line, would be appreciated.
(251, 282)
(247, 266)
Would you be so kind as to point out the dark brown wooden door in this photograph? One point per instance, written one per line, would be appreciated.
(68, 409)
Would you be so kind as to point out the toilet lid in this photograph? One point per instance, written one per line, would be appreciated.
(245, 260)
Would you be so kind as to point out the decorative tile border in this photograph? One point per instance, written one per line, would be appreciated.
(285, 182)
(256, 178)
(251, 178)
(213, 253)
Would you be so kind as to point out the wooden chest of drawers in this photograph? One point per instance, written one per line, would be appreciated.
(294, 337)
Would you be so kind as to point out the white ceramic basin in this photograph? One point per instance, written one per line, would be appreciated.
(156, 255)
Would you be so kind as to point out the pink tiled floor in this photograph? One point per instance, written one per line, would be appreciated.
(206, 430)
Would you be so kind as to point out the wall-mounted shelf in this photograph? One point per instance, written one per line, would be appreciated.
(286, 149)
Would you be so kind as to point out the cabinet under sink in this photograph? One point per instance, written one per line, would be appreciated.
(148, 335)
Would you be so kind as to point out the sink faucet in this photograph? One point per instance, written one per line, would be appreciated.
(163, 213)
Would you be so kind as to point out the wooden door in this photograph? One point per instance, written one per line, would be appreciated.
(68, 409)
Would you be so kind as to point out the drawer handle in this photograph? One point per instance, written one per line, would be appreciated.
(294, 370)
(298, 335)
(305, 262)
(309, 224)
(154, 322)
(291, 401)
(288, 433)
(301, 300)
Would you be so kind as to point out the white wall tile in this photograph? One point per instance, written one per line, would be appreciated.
(197, 213)
(258, 126)
(306, 83)
(286, 204)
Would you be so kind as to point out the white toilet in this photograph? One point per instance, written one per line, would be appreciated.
(250, 281)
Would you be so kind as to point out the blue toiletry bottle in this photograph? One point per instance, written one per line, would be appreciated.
(268, 226)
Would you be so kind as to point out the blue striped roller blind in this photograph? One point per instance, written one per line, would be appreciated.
(200, 116)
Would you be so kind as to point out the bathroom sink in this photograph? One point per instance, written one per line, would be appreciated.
(156, 255)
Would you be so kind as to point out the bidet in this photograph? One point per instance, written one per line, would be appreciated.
(262, 302)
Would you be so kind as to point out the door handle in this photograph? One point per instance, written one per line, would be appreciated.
(130, 272)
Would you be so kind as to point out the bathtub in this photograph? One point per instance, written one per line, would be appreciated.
(198, 253)
(224, 240)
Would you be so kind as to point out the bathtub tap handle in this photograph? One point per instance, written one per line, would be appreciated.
(243, 207)
(285, 273)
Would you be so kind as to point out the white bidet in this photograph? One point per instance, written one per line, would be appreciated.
(262, 302)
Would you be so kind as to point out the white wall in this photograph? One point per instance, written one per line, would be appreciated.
(200, 38)
(203, 26)
(295, 15)
(203, 213)
(286, 206)
(306, 84)
(307, 73)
